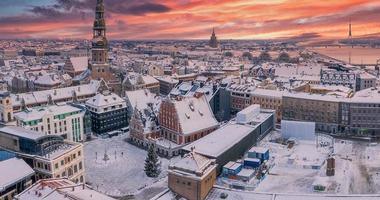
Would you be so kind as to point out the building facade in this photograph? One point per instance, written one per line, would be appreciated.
(240, 97)
(269, 99)
(323, 110)
(193, 176)
(63, 120)
(6, 108)
(16, 177)
(108, 113)
(186, 119)
(49, 155)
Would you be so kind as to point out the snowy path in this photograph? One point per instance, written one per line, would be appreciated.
(122, 174)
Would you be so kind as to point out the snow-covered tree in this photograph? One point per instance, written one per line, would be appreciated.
(152, 163)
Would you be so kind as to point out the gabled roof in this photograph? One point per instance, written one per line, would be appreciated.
(80, 64)
(194, 114)
(140, 98)
(193, 162)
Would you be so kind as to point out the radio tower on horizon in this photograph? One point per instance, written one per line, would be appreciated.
(350, 33)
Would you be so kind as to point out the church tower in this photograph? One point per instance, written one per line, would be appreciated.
(99, 66)
(213, 40)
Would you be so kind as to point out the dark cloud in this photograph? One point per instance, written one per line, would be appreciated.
(304, 37)
(147, 8)
(127, 7)
(68, 10)
(46, 12)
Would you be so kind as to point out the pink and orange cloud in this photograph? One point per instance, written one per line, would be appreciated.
(194, 19)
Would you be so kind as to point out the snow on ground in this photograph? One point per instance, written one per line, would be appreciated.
(357, 169)
(292, 170)
(123, 174)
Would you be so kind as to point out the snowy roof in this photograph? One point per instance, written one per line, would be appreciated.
(221, 139)
(194, 114)
(101, 100)
(138, 79)
(265, 92)
(12, 171)
(60, 189)
(167, 79)
(315, 97)
(56, 94)
(369, 95)
(47, 79)
(192, 162)
(259, 150)
(238, 194)
(149, 79)
(79, 63)
(140, 98)
(289, 70)
(21, 132)
(246, 172)
(39, 113)
(232, 165)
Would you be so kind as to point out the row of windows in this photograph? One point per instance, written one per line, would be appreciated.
(68, 159)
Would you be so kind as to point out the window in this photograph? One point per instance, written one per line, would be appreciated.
(56, 165)
(62, 162)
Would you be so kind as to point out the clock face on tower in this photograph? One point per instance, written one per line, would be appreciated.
(99, 42)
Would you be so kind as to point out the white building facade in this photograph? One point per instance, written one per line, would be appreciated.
(63, 120)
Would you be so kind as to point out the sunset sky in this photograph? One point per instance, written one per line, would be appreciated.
(191, 19)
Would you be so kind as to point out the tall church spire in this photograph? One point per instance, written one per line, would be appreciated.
(99, 40)
(213, 39)
(99, 66)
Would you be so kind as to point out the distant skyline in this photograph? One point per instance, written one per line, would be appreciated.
(191, 19)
